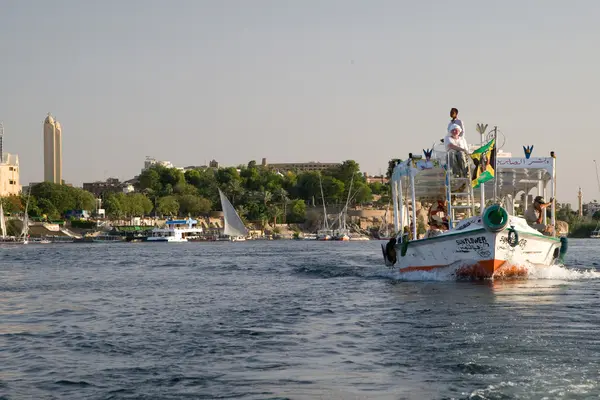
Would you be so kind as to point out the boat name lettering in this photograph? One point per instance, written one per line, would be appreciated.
(461, 227)
(467, 224)
(478, 244)
(522, 243)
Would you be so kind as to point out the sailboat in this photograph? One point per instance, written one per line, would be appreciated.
(25, 230)
(596, 232)
(4, 238)
(384, 230)
(2, 222)
(234, 226)
(325, 233)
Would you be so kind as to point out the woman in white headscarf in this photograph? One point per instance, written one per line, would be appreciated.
(458, 148)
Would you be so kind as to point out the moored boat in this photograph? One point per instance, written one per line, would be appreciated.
(176, 231)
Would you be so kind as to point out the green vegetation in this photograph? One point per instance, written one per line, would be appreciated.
(83, 224)
(49, 201)
(259, 193)
(579, 227)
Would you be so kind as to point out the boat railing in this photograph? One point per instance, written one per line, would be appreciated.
(459, 190)
(513, 177)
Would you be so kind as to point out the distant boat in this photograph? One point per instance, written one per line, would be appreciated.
(4, 238)
(596, 233)
(176, 231)
(343, 233)
(2, 222)
(234, 226)
(324, 233)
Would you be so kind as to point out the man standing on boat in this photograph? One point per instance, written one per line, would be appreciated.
(454, 120)
(535, 213)
(457, 146)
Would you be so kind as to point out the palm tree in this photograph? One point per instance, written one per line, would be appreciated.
(266, 197)
(282, 196)
(233, 189)
(275, 213)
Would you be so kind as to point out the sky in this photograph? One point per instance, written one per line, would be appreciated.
(306, 80)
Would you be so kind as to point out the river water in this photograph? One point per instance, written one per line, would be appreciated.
(288, 320)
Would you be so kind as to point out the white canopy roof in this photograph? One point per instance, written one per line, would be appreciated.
(514, 175)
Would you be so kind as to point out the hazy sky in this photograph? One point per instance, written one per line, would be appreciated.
(303, 80)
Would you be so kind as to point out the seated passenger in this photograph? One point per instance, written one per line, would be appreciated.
(436, 227)
(458, 148)
(438, 208)
(535, 214)
(407, 233)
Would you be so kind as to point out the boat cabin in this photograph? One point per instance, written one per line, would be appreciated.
(180, 229)
(428, 179)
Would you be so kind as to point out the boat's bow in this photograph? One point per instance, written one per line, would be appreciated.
(480, 247)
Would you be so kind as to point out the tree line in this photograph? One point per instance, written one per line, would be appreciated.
(258, 193)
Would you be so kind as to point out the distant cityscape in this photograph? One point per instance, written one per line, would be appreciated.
(114, 185)
(10, 183)
(53, 157)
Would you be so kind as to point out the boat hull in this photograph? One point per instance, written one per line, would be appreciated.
(168, 239)
(479, 253)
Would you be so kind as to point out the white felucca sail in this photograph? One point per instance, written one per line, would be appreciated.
(2, 222)
(234, 227)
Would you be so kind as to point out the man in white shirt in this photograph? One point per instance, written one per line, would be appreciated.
(457, 146)
(454, 120)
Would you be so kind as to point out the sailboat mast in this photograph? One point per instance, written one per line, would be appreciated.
(2, 221)
(348, 199)
(597, 176)
(25, 229)
(325, 223)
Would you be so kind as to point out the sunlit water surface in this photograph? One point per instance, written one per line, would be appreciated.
(288, 319)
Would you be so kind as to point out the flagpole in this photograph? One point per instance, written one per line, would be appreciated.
(495, 149)
(481, 129)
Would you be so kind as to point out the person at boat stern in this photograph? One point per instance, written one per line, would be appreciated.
(457, 147)
(535, 214)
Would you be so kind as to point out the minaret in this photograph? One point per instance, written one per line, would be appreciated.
(49, 148)
(57, 152)
(580, 196)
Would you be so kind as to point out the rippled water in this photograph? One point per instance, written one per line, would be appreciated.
(297, 320)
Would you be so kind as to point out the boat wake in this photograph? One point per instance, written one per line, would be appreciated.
(562, 272)
(534, 272)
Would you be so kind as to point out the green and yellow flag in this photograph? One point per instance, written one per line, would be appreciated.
(484, 159)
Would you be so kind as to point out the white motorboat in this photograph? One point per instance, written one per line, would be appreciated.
(491, 244)
(176, 231)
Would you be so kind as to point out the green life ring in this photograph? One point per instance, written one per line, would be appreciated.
(404, 246)
(495, 218)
